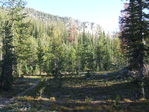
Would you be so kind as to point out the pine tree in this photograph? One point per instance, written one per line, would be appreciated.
(14, 15)
(102, 51)
(134, 31)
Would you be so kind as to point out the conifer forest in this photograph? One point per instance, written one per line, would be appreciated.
(50, 63)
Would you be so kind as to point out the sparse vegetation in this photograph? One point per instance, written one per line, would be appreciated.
(81, 94)
(51, 63)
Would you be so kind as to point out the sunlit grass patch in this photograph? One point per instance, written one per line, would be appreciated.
(52, 99)
(127, 100)
(25, 98)
(33, 77)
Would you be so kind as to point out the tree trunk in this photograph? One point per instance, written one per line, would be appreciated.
(6, 74)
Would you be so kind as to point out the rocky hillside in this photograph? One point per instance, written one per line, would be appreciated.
(67, 21)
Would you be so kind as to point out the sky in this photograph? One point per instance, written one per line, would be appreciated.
(103, 12)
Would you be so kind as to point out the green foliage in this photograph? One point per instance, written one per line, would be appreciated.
(49, 46)
(134, 34)
(116, 103)
(10, 25)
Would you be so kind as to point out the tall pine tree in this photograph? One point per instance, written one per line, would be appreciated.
(13, 12)
(134, 33)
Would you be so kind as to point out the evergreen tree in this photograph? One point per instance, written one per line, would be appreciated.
(117, 55)
(14, 15)
(103, 58)
(134, 31)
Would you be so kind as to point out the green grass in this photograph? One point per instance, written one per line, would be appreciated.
(99, 93)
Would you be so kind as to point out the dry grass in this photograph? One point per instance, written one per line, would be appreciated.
(100, 93)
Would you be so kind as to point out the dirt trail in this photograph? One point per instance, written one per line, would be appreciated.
(6, 101)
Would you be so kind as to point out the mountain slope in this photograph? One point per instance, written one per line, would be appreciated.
(67, 21)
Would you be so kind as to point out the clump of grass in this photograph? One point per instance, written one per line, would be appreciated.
(88, 100)
(52, 99)
(116, 103)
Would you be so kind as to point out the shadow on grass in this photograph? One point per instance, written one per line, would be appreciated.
(19, 85)
(75, 94)
(125, 90)
(95, 89)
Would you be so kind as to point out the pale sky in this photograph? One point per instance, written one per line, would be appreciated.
(104, 12)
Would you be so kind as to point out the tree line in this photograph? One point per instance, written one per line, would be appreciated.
(35, 44)
(32, 46)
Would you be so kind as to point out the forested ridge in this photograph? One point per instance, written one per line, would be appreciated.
(50, 43)
(73, 61)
